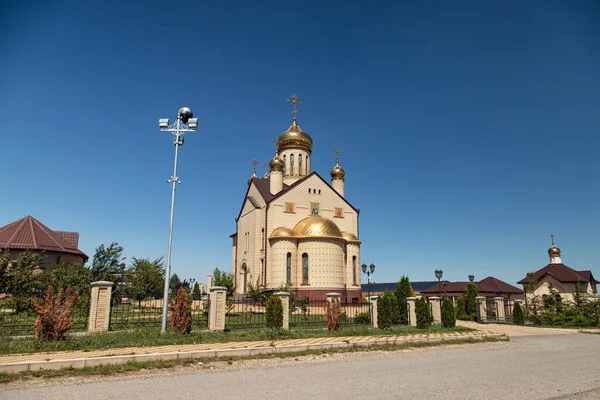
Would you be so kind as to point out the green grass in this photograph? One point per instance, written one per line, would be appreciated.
(105, 370)
(153, 337)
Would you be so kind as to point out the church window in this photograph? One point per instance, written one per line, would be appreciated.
(288, 267)
(291, 164)
(262, 238)
(319, 191)
(300, 164)
(284, 165)
(354, 279)
(305, 269)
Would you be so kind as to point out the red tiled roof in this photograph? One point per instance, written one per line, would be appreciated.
(487, 285)
(562, 273)
(29, 233)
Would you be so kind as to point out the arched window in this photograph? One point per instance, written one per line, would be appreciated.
(245, 272)
(291, 164)
(305, 268)
(284, 165)
(354, 278)
(288, 267)
(300, 164)
(262, 238)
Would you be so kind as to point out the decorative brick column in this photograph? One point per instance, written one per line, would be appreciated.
(285, 302)
(208, 283)
(436, 309)
(200, 286)
(374, 311)
(217, 308)
(481, 309)
(500, 313)
(412, 313)
(99, 316)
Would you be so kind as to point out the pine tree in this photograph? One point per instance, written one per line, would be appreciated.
(470, 302)
(403, 291)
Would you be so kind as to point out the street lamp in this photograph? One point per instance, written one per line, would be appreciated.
(438, 274)
(184, 123)
(369, 271)
(471, 278)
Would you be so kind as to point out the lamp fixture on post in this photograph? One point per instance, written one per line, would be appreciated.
(369, 270)
(438, 274)
(184, 123)
(471, 278)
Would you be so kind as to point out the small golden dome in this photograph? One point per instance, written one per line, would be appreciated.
(252, 177)
(337, 172)
(350, 237)
(277, 164)
(317, 226)
(266, 176)
(282, 232)
(554, 251)
(294, 137)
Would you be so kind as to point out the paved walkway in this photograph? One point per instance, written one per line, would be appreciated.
(516, 330)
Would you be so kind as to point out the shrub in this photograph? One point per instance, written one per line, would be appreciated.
(395, 309)
(424, 317)
(274, 312)
(518, 316)
(52, 322)
(460, 309)
(363, 318)
(384, 311)
(470, 302)
(333, 314)
(403, 291)
(181, 312)
(448, 314)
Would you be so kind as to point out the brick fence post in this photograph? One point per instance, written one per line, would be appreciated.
(436, 309)
(481, 309)
(412, 313)
(285, 302)
(217, 308)
(374, 311)
(99, 316)
(500, 313)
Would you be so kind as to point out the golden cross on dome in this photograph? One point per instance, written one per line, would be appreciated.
(337, 155)
(294, 101)
(254, 162)
(266, 167)
(552, 236)
(276, 145)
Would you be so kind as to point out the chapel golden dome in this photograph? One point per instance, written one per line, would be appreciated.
(295, 137)
(337, 172)
(317, 226)
(554, 251)
(350, 237)
(282, 232)
(277, 163)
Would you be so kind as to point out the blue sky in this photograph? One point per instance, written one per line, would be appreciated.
(468, 130)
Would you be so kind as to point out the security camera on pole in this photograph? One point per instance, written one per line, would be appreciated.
(184, 123)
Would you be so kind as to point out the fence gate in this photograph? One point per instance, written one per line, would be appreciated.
(490, 310)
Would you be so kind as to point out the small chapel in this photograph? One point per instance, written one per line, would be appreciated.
(295, 228)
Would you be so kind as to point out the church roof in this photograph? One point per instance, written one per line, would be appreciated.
(562, 273)
(487, 285)
(30, 234)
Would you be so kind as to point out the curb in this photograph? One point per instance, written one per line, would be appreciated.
(13, 368)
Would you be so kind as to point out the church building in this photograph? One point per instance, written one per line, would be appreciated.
(296, 228)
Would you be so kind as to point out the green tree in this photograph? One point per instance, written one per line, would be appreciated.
(147, 277)
(470, 302)
(19, 278)
(461, 312)
(518, 316)
(274, 312)
(424, 317)
(196, 295)
(76, 277)
(224, 279)
(174, 283)
(448, 314)
(108, 263)
(384, 311)
(256, 292)
(403, 291)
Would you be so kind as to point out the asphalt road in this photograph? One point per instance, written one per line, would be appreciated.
(529, 367)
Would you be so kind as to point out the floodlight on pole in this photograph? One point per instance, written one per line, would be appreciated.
(184, 123)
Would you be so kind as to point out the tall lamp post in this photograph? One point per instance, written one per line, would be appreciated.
(184, 123)
(438, 274)
(369, 271)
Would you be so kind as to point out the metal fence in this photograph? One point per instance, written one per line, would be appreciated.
(17, 315)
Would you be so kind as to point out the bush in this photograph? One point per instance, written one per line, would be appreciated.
(181, 312)
(274, 312)
(460, 309)
(384, 311)
(333, 314)
(403, 291)
(424, 317)
(448, 314)
(363, 318)
(52, 322)
(518, 316)
(470, 301)
(395, 309)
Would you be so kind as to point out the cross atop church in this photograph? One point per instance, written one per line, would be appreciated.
(337, 155)
(254, 162)
(266, 168)
(294, 101)
(552, 236)
(276, 145)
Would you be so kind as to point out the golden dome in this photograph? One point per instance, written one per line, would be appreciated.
(554, 251)
(282, 232)
(350, 237)
(294, 137)
(252, 177)
(277, 164)
(337, 172)
(317, 226)
(266, 176)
